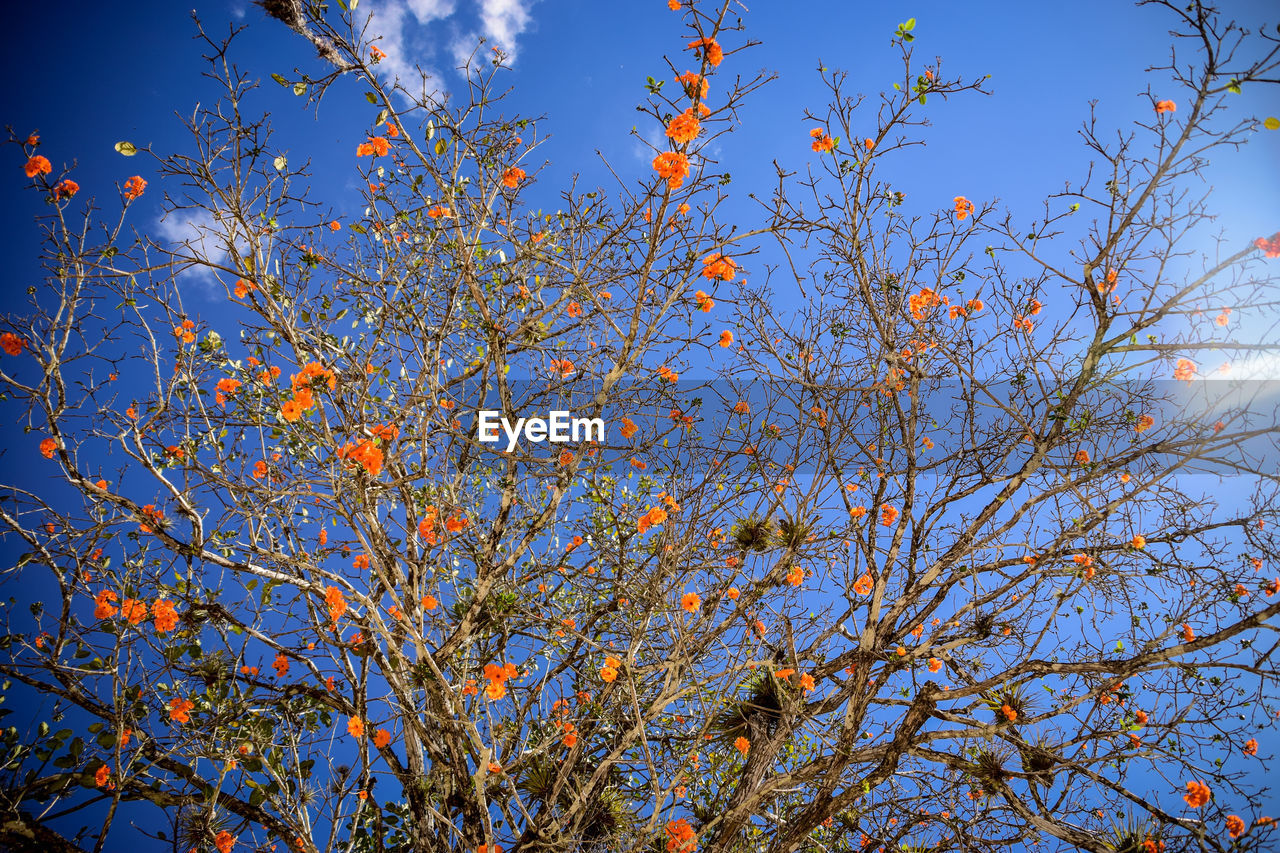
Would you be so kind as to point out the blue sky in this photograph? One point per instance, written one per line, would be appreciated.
(91, 74)
(123, 71)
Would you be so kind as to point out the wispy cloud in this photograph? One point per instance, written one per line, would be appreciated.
(194, 235)
(400, 25)
(502, 20)
(406, 34)
(409, 39)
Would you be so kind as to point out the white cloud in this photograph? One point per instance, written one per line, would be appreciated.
(194, 234)
(427, 11)
(502, 20)
(398, 22)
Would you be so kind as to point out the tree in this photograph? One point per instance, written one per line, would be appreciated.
(921, 565)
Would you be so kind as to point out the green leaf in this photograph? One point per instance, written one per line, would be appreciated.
(1234, 87)
(128, 149)
(1271, 123)
(279, 78)
(441, 146)
(299, 88)
(370, 97)
(280, 163)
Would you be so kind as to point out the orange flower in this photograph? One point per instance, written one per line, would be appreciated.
(1184, 370)
(1235, 826)
(570, 740)
(103, 774)
(12, 344)
(690, 602)
(742, 745)
(134, 187)
(821, 142)
(1139, 541)
(133, 610)
(705, 302)
(1009, 714)
(888, 515)
(1082, 456)
(224, 841)
(377, 146)
(695, 86)
(1270, 248)
(377, 54)
(1166, 107)
(38, 165)
(681, 837)
(934, 664)
(684, 127)
(439, 211)
(280, 665)
(355, 727)
(726, 338)
(456, 523)
(673, 5)
(673, 167)
(806, 682)
(242, 287)
(65, 189)
(103, 608)
(1250, 746)
(1197, 794)
(335, 225)
(180, 709)
(1188, 635)
(711, 50)
(512, 176)
(629, 428)
(366, 454)
(963, 207)
(862, 586)
(381, 738)
(47, 447)
(1145, 423)
(717, 266)
(335, 602)
(166, 617)
(226, 386)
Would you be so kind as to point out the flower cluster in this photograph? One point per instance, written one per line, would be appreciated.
(498, 676)
(673, 167)
(717, 266)
(304, 382)
(1270, 247)
(681, 837)
(366, 454)
(377, 146)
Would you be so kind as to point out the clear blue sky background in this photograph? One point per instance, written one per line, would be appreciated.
(85, 75)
